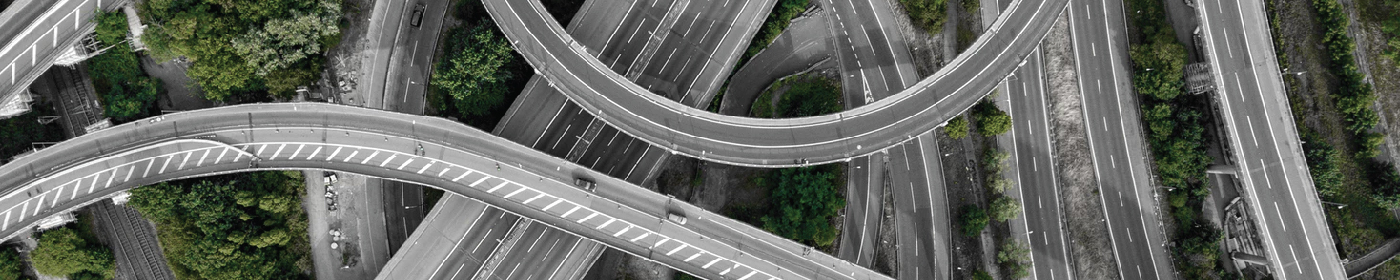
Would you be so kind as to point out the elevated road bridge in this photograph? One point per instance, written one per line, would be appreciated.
(422, 150)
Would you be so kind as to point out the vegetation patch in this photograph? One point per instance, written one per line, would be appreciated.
(783, 13)
(1333, 111)
(238, 227)
(1176, 135)
(479, 74)
(991, 121)
(18, 133)
(65, 252)
(125, 90)
(927, 14)
(956, 128)
(802, 202)
(244, 50)
(11, 267)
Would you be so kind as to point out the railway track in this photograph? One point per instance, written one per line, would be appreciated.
(135, 243)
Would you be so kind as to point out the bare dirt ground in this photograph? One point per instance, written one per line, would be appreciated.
(1091, 252)
(963, 175)
(341, 76)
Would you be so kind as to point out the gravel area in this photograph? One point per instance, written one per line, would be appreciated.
(1091, 252)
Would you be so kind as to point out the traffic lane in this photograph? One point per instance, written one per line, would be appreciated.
(471, 254)
(914, 215)
(403, 209)
(393, 17)
(540, 104)
(1126, 195)
(1227, 34)
(940, 225)
(633, 35)
(227, 124)
(856, 230)
(421, 245)
(1036, 173)
(730, 46)
(860, 16)
(703, 47)
(1263, 168)
(536, 255)
(533, 49)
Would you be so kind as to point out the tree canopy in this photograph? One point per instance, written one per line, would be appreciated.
(1005, 208)
(236, 227)
(803, 203)
(11, 267)
(236, 46)
(991, 121)
(62, 252)
(476, 68)
(956, 128)
(125, 90)
(972, 220)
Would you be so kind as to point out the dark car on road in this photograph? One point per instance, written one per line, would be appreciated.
(417, 15)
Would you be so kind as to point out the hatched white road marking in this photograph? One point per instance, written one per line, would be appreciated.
(497, 187)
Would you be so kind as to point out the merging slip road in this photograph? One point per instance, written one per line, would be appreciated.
(1264, 140)
(773, 142)
(415, 149)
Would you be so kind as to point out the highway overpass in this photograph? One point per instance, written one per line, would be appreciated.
(36, 33)
(417, 149)
(569, 66)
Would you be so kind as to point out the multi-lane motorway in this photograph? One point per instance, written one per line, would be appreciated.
(1265, 142)
(1035, 172)
(773, 142)
(1115, 139)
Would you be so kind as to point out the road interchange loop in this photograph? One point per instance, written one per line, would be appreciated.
(570, 67)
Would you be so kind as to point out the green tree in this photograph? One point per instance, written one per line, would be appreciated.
(11, 267)
(111, 28)
(474, 72)
(283, 42)
(927, 14)
(62, 252)
(1015, 257)
(804, 201)
(956, 128)
(991, 121)
(811, 96)
(973, 220)
(1005, 208)
(235, 227)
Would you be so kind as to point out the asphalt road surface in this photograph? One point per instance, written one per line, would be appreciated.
(543, 253)
(1115, 139)
(772, 142)
(402, 61)
(1265, 142)
(457, 247)
(624, 32)
(1035, 171)
(410, 148)
(47, 25)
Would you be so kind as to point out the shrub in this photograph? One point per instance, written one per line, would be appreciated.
(973, 220)
(956, 128)
(991, 121)
(1005, 208)
(927, 14)
(1014, 256)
